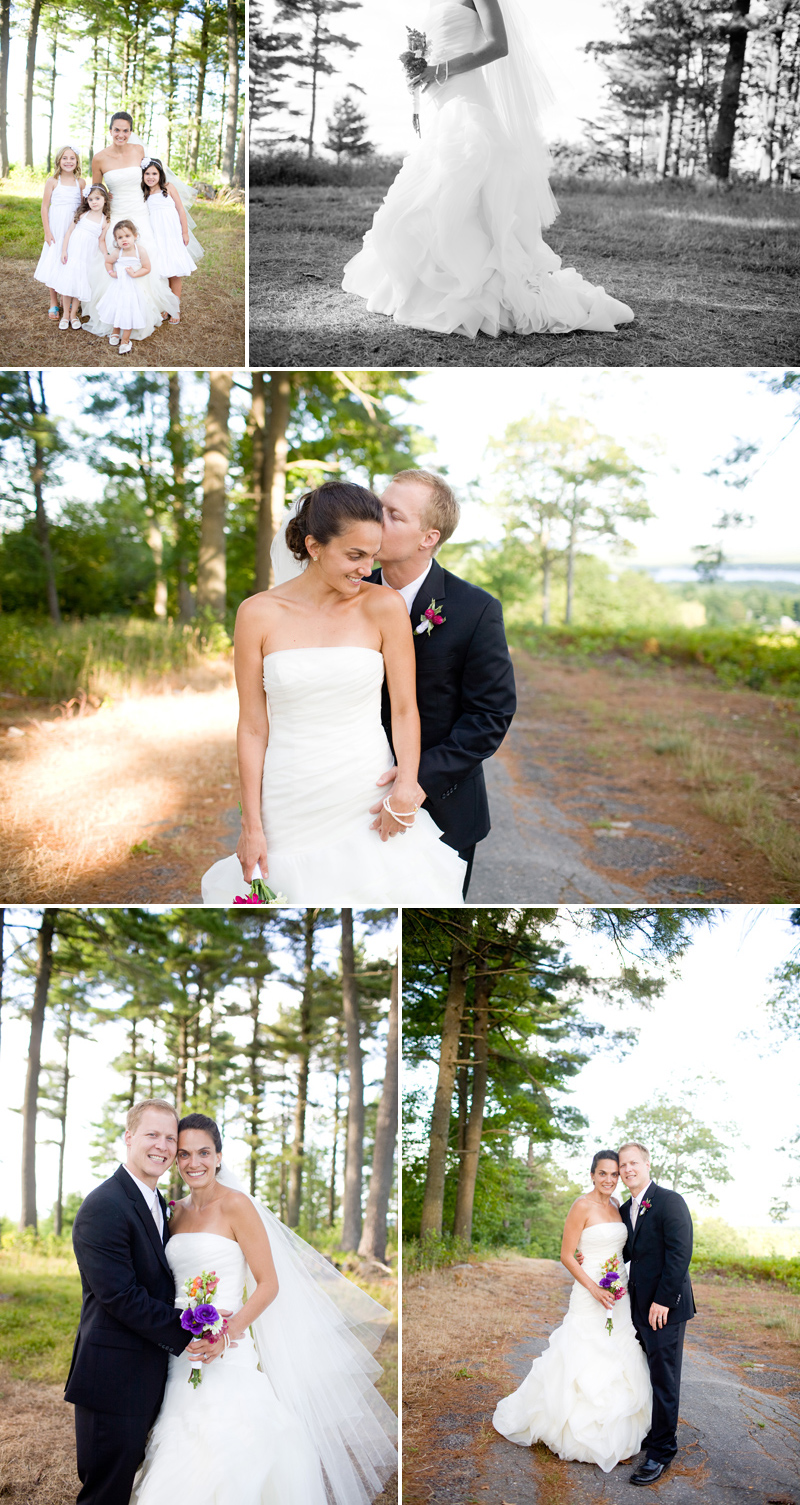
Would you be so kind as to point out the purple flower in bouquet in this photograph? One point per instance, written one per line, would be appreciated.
(414, 62)
(201, 1318)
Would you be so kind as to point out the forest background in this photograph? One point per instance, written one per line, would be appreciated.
(533, 1038)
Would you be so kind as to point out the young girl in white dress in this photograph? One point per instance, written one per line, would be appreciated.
(61, 197)
(82, 259)
(169, 228)
(122, 304)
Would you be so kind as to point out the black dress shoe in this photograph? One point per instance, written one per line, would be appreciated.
(649, 1471)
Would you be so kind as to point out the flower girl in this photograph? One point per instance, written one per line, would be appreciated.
(122, 305)
(61, 197)
(83, 252)
(169, 228)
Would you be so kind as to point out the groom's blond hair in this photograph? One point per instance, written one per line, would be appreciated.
(633, 1144)
(135, 1113)
(441, 510)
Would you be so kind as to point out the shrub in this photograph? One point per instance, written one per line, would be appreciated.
(286, 168)
(775, 1268)
(101, 655)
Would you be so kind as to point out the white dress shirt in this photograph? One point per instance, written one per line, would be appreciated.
(408, 592)
(636, 1203)
(150, 1194)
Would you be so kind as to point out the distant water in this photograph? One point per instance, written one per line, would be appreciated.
(768, 574)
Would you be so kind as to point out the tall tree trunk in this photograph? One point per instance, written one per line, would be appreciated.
(93, 103)
(53, 77)
(241, 158)
(201, 85)
(177, 445)
(336, 1128)
(5, 45)
(468, 1168)
(315, 68)
(431, 1221)
(222, 112)
(211, 573)
(351, 1224)
(37, 480)
(232, 107)
(173, 42)
(664, 136)
(722, 147)
(571, 552)
(769, 97)
(546, 568)
(59, 1207)
(301, 1101)
(373, 1238)
(44, 967)
(273, 495)
(30, 77)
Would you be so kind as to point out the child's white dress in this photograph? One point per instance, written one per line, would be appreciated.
(172, 258)
(122, 306)
(85, 263)
(64, 201)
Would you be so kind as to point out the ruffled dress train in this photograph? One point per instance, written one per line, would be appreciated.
(456, 247)
(588, 1396)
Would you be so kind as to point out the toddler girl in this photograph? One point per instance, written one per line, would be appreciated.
(122, 304)
(83, 252)
(62, 196)
(169, 228)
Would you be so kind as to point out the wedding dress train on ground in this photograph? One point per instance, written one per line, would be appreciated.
(456, 246)
(327, 749)
(588, 1396)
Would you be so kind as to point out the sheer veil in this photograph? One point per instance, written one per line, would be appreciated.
(315, 1344)
(284, 565)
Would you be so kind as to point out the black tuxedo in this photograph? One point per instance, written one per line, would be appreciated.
(128, 1327)
(466, 699)
(660, 1250)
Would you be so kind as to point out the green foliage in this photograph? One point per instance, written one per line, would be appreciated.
(773, 1268)
(605, 597)
(685, 1154)
(102, 656)
(39, 1320)
(276, 169)
(47, 1238)
(752, 603)
(23, 235)
(767, 661)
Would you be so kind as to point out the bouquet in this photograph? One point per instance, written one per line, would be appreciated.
(260, 892)
(200, 1318)
(612, 1281)
(414, 60)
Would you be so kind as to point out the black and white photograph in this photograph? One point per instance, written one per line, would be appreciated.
(490, 183)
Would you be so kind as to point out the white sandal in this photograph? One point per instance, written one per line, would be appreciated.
(75, 324)
(114, 339)
(126, 349)
(63, 324)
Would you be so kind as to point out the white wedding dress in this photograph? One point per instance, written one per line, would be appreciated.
(588, 1396)
(327, 749)
(236, 1439)
(456, 246)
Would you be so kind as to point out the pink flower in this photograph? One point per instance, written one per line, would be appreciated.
(251, 899)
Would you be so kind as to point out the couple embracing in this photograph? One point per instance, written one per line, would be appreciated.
(280, 1407)
(608, 1384)
(368, 702)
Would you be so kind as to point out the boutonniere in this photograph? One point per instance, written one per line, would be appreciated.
(431, 618)
(170, 1210)
(644, 1206)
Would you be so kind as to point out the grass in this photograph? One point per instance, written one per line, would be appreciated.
(213, 310)
(710, 277)
(39, 1314)
(101, 656)
(771, 1270)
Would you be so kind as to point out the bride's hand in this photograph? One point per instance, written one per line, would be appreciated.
(603, 1295)
(252, 850)
(402, 799)
(424, 80)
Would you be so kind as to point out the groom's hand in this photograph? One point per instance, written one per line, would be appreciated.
(388, 778)
(658, 1316)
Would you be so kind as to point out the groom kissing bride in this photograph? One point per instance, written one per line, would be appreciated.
(608, 1384)
(284, 1410)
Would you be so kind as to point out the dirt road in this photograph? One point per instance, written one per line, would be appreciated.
(470, 1335)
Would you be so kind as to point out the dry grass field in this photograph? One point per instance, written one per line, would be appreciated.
(711, 277)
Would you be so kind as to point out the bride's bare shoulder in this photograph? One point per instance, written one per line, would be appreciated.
(581, 1204)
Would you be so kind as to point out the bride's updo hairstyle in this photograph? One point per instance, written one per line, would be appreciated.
(121, 115)
(601, 1155)
(327, 512)
(208, 1126)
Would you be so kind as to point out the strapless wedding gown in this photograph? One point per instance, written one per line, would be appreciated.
(230, 1441)
(127, 202)
(588, 1396)
(327, 749)
(456, 246)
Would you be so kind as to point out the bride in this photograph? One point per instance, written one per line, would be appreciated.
(312, 748)
(120, 167)
(288, 1413)
(456, 246)
(588, 1396)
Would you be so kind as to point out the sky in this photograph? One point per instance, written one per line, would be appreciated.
(710, 1023)
(95, 1081)
(676, 423)
(561, 33)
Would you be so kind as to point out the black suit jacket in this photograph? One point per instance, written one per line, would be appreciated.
(128, 1324)
(660, 1251)
(466, 699)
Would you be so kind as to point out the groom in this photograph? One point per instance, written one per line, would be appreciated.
(659, 1249)
(465, 680)
(128, 1324)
